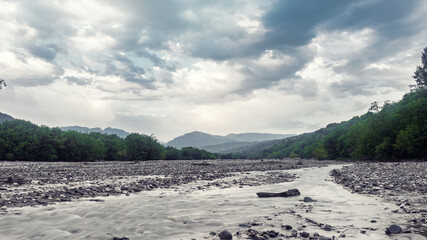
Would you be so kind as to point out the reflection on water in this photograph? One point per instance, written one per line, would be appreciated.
(179, 214)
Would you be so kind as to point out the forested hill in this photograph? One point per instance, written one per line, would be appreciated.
(24, 141)
(396, 130)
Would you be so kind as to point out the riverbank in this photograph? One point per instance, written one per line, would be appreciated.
(402, 183)
(44, 183)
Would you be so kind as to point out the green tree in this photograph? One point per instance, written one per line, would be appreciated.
(420, 74)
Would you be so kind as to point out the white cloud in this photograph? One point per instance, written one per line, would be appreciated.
(172, 67)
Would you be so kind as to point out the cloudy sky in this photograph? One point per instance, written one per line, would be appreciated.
(170, 67)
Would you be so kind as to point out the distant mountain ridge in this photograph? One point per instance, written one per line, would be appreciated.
(217, 143)
(119, 132)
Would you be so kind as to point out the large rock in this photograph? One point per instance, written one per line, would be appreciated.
(289, 193)
(393, 229)
(225, 235)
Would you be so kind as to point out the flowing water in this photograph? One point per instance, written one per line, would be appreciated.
(182, 214)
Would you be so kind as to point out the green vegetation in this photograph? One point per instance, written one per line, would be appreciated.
(397, 131)
(23, 141)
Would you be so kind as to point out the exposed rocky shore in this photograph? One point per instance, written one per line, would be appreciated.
(403, 183)
(43, 183)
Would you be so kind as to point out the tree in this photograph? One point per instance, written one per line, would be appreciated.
(374, 107)
(420, 74)
(2, 83)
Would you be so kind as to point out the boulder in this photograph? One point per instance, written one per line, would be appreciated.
(225, 235)
(393, 229)
(289, 193)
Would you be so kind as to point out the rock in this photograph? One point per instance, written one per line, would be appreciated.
(289, 193)
(4, 208)
(117, 190)
(305, 234)
(15, 179)
(393, 229)
(309, 199)
(272, 233)
(225, 235)
(287, 227)
(327, 228)
(294, 233)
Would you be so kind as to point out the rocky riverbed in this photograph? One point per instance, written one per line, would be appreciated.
(402, 183)
(43, 183)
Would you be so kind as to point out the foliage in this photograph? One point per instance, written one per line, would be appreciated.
(420, 74)
(24, 141)
(396, 130)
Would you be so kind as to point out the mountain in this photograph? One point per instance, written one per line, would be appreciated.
(197, 139)
(5, 117)
(216, 143)
(119, 132)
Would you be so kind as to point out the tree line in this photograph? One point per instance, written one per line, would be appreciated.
(24, 141)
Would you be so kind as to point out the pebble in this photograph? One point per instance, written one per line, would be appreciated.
(92, 179)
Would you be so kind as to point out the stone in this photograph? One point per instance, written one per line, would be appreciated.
(393, 229)
(117, 190)
(294, 233)
(15, 179)
(4, 208)
(225, 235)
(289, 193)
(327, 228)
(309, 199)
(287, 227)
(305, 234)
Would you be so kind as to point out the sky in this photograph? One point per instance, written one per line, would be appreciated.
(169, 67)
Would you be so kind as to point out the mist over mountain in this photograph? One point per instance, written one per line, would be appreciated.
(119, 132)
(217, 143)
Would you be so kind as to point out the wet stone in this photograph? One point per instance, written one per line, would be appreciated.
(225, 235)
(394, 229)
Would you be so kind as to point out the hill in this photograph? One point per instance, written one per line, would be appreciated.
(396, 130)
(217, 143)
(119, 132)
(197, 139)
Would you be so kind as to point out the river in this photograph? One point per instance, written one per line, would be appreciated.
(179, 213)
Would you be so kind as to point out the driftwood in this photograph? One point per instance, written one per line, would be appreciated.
(289, 193)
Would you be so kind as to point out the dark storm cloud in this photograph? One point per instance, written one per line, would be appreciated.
(295, 22)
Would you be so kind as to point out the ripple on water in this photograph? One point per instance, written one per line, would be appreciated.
(175, 214)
